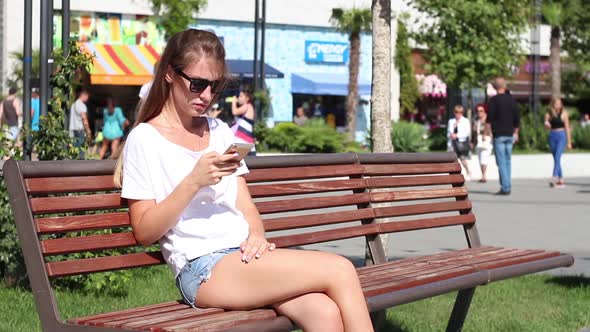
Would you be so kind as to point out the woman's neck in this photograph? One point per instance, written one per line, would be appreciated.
(179, 122)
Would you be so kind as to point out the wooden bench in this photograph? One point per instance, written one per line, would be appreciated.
(306, 199)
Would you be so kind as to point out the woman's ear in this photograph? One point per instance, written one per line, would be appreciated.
(168, 76)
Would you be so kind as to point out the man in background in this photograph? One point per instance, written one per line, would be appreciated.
(504, 121)
(79, 127)
(10, 112)
(35, 109)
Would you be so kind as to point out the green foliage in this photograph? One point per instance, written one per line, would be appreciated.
(532, 135)
(553, 13)
(263, 98)
(581, 137)
(438, 139)
(576, 81)
(470, 42)
(403, 61)
(314, 137)
(52, 141)
(576, 30)
(352, 21)
(15, 78)
(12, 268)
(177, 15)
(408, 137)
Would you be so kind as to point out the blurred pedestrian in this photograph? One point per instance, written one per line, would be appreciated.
(79, 127)
(244, 115)
(483, 143)
(585, 121)
(112, 130)
(557, 122)
(504, 121)
(458, 133)
(35, 109)
(214, 111)
(300, 118)
(10, 112)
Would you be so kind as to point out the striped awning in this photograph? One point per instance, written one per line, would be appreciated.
(121, 64)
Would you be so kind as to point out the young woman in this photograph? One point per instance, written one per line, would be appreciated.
(244, 115)
(112, 130)
(458, 133)
(484, 143)
(557, 121)
(186, 194)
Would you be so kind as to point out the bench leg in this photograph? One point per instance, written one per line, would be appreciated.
(378, 319)
(460, 310)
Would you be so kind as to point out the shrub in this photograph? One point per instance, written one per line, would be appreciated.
(438, 139)
(409, 137)
(533, 135)
(581, 137)
(314, 137)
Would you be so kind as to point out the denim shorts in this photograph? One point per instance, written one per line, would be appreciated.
(196, 272)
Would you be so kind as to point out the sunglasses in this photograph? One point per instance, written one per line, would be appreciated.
(198, 85)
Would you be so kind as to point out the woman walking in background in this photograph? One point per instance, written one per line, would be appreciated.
(483, 142)
(244, 114)
(112, 131)
(458, 133)
(557, 121)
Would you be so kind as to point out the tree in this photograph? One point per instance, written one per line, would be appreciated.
(403, 61)
(16, 76)
(553, 13)
(177, 15)
(353, 22)
(576, 43)
(470, 42)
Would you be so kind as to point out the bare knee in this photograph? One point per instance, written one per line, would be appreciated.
(313, 312)
(342, 269)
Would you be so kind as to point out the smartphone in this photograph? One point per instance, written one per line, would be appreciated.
(241, 148)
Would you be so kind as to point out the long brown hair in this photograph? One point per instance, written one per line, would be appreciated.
(553, 111)
(182, 49)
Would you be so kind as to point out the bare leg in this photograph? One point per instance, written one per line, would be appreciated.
(483, 172)
(466, 166)
(312, 312)
(103, 148)
(285, 274)
(115, 145)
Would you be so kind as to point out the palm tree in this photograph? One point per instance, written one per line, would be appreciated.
(553, 13)
(15, 78)
(353, 22)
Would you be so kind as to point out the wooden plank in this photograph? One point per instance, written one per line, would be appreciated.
(299, 204)
(517, 260)
(426, 223)
(282, 189)
(82, 222)
(417, 209)
(171, 305)
(301, 221)
(149, 321)
(77, 203)
(408, 195)
(218, 322)
(102, 264)
(52, 185)
(413, 181)
(68, 245)
(298, 173)
(408, 169)
(324, 236)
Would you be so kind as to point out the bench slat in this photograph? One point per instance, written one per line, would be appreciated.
(161, 317)
(53, 185)
(68, 245)
(408, 195)
(412, 225)
(103, 264)
(408, 169)
(283, 223)
(305, 172)
(324, 236)
(59, 204)
(413, 181)
(82, 222)
(282, 189)
(298, 204)
(218, 322)
(171, 305)
(408, 210)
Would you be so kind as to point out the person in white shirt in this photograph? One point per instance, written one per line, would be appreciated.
(184, 192)
(458, 133)
(79, 127)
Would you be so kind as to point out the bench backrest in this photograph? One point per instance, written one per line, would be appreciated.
(67, 207)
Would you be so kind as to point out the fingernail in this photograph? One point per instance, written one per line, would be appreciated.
(257, 256)
(244, 258)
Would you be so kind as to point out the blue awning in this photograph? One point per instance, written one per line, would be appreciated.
(326, 84)
(243, 68)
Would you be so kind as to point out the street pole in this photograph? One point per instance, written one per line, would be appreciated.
(255, 63)
(536, 50)
(263, 33)
(65, 25)
(27, 64)
(43, 58)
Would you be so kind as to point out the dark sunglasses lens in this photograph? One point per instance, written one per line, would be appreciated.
(216, 86)
(198, 85)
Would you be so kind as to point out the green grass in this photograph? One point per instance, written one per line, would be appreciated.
(530, 303)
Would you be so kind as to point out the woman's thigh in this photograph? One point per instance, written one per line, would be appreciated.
(312, 311)
(278, 275)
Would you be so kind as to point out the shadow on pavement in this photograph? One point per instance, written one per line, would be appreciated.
(583, 191)
(484, 192)
(570, 281)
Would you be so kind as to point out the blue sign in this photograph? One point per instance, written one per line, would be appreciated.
(326, 52)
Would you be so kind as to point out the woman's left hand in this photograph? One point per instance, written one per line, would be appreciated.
(255, 246)
(569, 146)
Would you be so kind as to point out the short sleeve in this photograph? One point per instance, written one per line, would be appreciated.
(136, 176)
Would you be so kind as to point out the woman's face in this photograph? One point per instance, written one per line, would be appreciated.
(458, 115)
(557, 104)
(481, 113)
(242, 98)
(194, 103)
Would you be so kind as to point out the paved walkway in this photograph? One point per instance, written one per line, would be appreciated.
(535, 216)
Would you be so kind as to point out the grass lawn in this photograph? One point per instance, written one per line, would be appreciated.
(531, 303)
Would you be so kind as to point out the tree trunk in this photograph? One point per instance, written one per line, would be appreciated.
(380, 88)
(555, 59)
(353, 85)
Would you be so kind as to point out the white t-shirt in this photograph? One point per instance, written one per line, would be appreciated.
(153, 166)
(78, 107)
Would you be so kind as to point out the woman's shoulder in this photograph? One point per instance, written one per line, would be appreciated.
(141, 133)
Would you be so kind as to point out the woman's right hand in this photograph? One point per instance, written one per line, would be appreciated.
(212, 167)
